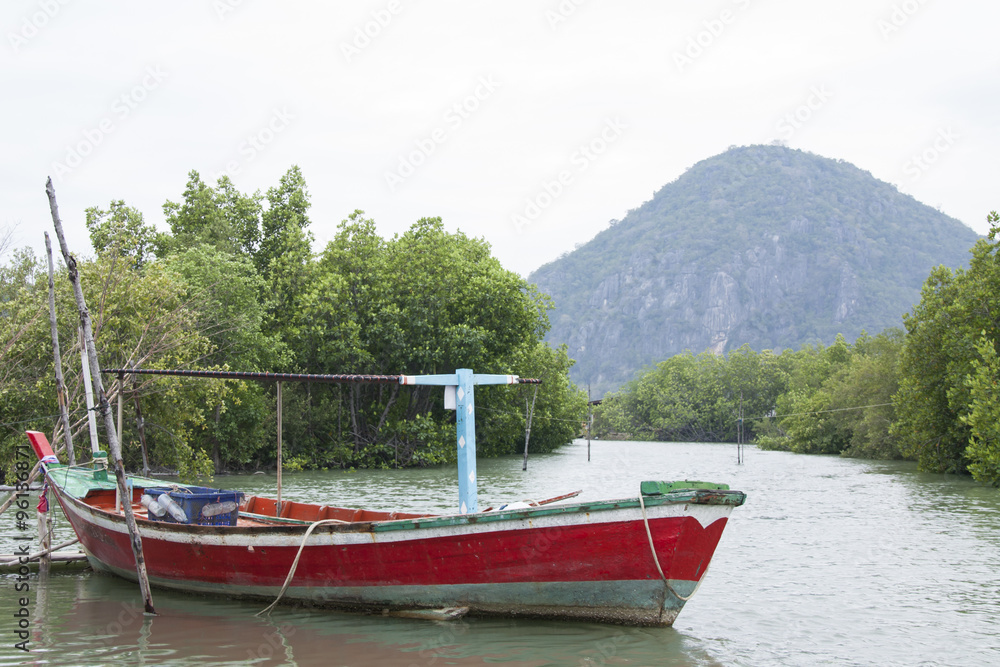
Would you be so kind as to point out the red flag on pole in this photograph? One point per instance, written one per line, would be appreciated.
(43, 499)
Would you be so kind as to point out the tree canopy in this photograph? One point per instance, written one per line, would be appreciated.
(235, 284)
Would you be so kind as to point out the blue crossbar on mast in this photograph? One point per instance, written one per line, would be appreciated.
(463, 381)
(459, 395)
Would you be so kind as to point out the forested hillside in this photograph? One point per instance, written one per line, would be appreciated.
(234, 284)
(927, 392)
(762, 246)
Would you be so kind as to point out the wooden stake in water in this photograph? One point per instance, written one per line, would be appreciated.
(105, 408)
(277, 507)
(527, 431)
(590, 420)
(140, 425)
(739, 433)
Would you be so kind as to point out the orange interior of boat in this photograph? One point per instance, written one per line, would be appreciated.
(263, 509)
(309, 512)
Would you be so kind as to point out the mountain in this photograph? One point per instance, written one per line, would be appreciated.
(763, 245)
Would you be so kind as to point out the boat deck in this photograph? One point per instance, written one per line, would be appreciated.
(260, 511)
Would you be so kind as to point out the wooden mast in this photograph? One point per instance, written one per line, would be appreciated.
(105, 408)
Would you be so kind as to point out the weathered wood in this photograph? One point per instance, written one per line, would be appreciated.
(35, 556)
(105, 408)
(57, 359)
(13, 561)
(278, 510)
(88, 387)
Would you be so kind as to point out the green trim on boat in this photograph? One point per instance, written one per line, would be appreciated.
(77, 482)
(659, 488)
(682, 495)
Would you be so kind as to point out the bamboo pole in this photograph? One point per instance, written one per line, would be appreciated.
(105, 408)
(60, 385)
(88, 387)
(39, 554)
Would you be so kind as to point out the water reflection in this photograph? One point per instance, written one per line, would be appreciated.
(97, 619)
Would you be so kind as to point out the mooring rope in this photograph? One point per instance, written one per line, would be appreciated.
(295, 563)
(656, 559)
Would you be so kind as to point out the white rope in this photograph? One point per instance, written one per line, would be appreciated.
(295, 563)
(656, 559)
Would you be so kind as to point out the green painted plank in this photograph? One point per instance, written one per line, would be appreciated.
(653, 488)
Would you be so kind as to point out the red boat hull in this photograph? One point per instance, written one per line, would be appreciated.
(571, 563)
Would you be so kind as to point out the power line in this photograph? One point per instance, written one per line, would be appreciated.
(39, 418)
(818, 412)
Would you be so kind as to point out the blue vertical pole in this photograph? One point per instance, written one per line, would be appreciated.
(465, 408)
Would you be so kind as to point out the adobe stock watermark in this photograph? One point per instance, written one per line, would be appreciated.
(224, 7)
(443, 645)
(453, 118)
(33, 23)
(605, 651)
(274, 641)
(552, 188)
(22, 617)
(562, 12)
(795, 119)
(920, 162)
(121, 108)
(126, 617)
(257, 141)
(364, 34)
(899, 16)
(712, 29)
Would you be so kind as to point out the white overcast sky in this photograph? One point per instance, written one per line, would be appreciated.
(484, 103)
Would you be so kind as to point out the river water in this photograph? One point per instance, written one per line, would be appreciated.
(830, 562)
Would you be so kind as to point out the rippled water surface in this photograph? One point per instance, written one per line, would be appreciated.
(831, 562)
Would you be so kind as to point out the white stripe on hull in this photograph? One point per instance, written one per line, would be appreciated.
(267, 537)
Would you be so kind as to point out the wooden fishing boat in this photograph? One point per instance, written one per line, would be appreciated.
(634, 560)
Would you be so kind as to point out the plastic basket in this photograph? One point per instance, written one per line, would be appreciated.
(193, 499)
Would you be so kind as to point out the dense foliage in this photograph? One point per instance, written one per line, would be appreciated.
(234, 284)
(926, 393)
(824, 400)
(695, 398)
(947, 403)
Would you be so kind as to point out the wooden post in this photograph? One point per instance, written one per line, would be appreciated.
(105, 408)
(121, 400)
(590, 420)
(277, 507)
(739, 433)
(140, 426)
(57, 358)
(527, 430)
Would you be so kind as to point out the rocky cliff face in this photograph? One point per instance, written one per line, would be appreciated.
(764, 246)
